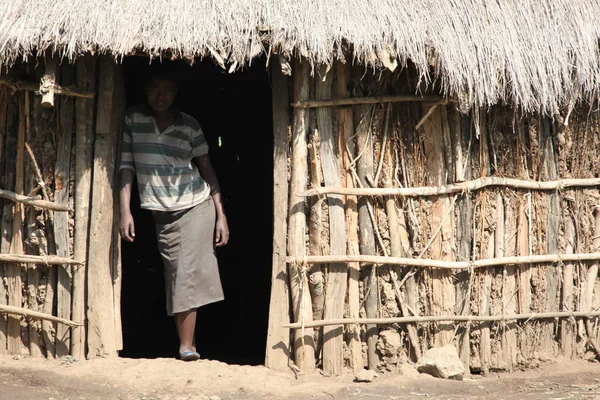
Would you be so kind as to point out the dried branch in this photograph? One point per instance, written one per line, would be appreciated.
(472, 185)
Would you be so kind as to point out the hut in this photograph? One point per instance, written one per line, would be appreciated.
(399, 176)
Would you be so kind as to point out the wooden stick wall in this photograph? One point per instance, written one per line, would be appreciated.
(487, 230)
(58, 157)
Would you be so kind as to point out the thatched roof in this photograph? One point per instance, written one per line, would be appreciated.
(532, 53)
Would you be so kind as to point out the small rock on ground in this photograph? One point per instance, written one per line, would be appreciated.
(365, 375)
(442, 362)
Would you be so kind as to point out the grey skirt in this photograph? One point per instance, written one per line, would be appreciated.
(186, 244)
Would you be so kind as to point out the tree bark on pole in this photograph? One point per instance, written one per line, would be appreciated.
(347, 149)
(62, 172)
(304, 347)
(568, 327)
(366, 230)
(549, 171)
(335, 292)
(7, 128)
(278, 353)
(101, 338)
(84, 136)
(16, 246)
(443, 295)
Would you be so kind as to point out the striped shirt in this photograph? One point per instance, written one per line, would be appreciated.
(167, 179)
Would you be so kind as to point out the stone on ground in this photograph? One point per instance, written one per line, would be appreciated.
(365, 375)
(442, 362)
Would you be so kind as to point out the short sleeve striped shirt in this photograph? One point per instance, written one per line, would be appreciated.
(167, 178)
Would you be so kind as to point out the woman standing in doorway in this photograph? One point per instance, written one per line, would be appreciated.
(167, 151)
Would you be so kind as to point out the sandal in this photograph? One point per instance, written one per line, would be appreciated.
(189, 355)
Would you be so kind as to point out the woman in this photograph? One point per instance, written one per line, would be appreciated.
(168, 153)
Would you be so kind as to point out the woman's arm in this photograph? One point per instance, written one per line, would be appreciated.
(208, 174)
(126, 226)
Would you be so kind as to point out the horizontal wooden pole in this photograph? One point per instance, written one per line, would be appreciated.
(31, 259)
(352, 101)
(35, 87)
(467, 186)
(424, 262)
(32, 201)
(440, 318)
(35, 314)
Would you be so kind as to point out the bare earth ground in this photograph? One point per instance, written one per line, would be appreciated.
(169, 379)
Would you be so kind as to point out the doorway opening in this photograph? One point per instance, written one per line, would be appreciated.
(234, 111)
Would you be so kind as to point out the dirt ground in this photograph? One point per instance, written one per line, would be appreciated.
(169, 379)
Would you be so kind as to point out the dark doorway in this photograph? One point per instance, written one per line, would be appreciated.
(234, 111)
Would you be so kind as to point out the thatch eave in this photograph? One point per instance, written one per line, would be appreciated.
(535, 54)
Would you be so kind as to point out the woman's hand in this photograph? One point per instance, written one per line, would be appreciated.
(221, 232)
(126, 227)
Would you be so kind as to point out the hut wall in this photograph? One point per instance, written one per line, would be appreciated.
(386, 150)
(58, 150)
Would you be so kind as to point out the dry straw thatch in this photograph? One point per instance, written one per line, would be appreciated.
(537, 54)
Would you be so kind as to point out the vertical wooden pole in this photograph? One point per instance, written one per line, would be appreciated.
(316, 280)
(592, 271)
(6, 209)
(461, 137)
(523, 249)
(32, 273)
(485, 351)
(567, 339)
(506, 239)
(304, 347)
(335, 292)
(443, 295)
(398, 242)
(16, 245)
(49, 329)
(549, 172)
(117, 268)
(61, 220)
(84, 136)
(101, 339)
(366, 230)
(278, 339)
(347, 150)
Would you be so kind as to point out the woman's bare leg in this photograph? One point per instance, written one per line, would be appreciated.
(186, 325)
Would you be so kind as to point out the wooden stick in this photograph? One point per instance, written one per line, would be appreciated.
(16, 245)
(506, 246)
(428, 113)
(414, 262)
(553, 232)
(15, 85)
(304, 347)
(33, 274)
(48, 83)
(364, 152)
(445, 318)
(35, 314)
(353, 101)
(101, 339)
(84, 133)
(5, 227)
(316, 280)
(348, 148)
(278, 343)
(33, 201)
(396, 245)
(335, 292)
(467, 186)
(567, 304)
(46, 260)
(62, 173)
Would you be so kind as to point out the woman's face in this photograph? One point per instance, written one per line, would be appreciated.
(160, 94)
